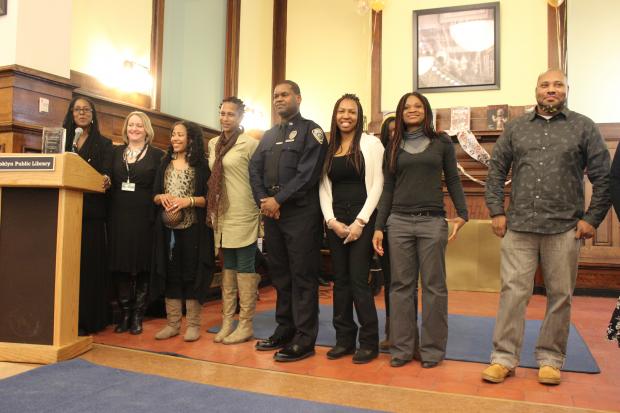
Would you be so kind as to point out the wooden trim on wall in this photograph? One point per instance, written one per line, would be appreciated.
(376, 115)
(231, 68)
(278, 72)
(554, 60)
(157, 47)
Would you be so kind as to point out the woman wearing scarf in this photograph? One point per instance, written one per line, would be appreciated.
(235, 220)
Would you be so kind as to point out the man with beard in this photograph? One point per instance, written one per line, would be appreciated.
(284, 175)
(548, 150)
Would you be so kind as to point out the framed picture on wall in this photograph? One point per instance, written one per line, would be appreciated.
(456, 48)
(2, 7)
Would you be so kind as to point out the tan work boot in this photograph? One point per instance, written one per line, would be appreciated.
(192, 316)
(248, 288)
(229, 303)
(173, 314)
(549, 375)
(496, 373)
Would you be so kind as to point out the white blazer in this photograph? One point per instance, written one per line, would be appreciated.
(372, 151)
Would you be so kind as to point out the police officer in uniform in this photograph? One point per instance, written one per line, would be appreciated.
(284, 174)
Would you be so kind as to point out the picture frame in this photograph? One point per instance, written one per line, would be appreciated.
(456, 48)
(2, 7)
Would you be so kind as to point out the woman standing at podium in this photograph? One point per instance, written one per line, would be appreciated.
(184, 259)
(84, 138)
(132, 215)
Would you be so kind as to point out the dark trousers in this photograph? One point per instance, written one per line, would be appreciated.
(418, 249)
(351, 264)
(387, 273)
(183, 266)
(293, 253)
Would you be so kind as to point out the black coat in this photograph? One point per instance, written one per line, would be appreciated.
(161, 247)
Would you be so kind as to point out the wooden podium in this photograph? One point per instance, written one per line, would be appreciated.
(40, 233)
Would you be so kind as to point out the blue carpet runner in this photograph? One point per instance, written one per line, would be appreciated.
(469, 339)
(78, 386)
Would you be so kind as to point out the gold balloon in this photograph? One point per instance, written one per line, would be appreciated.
(377, 5)
(555, 3)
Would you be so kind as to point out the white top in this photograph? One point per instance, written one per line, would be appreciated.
(372, 151)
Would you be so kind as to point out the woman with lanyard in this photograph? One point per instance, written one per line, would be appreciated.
(412, 210)
(84, 138)
(183, 253)
(131, 219)
(235, 218)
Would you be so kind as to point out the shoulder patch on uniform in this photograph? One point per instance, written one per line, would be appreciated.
(318, 135)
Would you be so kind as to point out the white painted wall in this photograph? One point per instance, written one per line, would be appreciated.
(37, 34)
(594, 58)
(255, 54)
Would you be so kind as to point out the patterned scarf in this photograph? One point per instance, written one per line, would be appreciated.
(217, 200)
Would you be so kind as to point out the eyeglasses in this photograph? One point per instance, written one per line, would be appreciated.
(82, 110)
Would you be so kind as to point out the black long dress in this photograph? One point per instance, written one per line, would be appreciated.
(93, 310)
(132, 213)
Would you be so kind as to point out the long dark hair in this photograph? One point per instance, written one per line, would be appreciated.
(400, 128)
(386, 136)
(354, 154)
(195, 152)
(69, 123)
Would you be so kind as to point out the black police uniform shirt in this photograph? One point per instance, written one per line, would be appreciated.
(299, 165)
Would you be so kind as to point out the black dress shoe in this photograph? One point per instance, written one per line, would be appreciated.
(363, 356)
(429, 364)
(293, 352)
(396, 362)
(337, 352)
(272, 343)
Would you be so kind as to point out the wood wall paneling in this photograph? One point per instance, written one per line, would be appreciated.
(376, 115)
(278, 72)
(157, 47)
(231, 68)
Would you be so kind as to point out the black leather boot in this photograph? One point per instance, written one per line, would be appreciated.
(123, 288)
(140, 304)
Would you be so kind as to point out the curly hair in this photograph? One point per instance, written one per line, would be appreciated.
(195, 153)
(236, 101)
(69, 122)
(354, 154)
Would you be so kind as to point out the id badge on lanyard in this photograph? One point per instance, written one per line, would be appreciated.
(128, 186)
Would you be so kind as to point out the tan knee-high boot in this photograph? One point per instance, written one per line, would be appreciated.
(192, 316)
(248, 289)
(173, 314)
(229, 303)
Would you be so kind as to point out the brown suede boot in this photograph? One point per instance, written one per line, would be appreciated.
(193, 317)
(248, 293)
(385, 344)
(229, 304)
(173, 314)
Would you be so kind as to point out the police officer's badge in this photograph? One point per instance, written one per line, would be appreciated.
(318, 135)
(291, 136)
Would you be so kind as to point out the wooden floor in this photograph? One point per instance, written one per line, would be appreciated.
(452, 386)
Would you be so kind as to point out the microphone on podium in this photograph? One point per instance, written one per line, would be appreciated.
(76, 138)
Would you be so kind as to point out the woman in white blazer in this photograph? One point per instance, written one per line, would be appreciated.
(350, 189)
